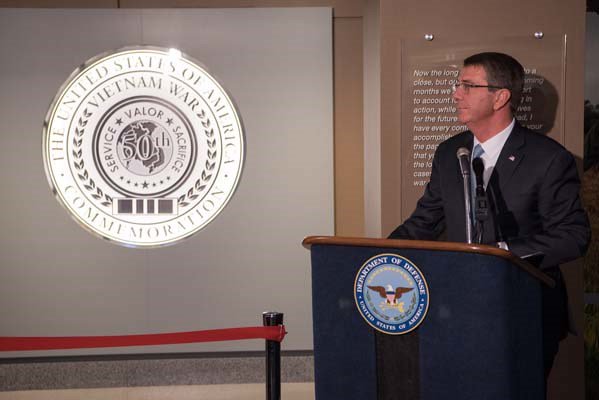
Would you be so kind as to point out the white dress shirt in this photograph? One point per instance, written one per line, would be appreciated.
(492, 148)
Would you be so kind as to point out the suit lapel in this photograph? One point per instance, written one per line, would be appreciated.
(509, 159)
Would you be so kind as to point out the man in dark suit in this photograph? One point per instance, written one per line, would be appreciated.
(531, 180)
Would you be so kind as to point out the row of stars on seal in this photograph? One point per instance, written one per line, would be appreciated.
(119, 121)
(144, 184)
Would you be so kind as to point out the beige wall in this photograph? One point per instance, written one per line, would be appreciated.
(349, 149)
(372, 119)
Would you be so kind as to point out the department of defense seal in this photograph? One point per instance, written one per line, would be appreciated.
(391, 294)
(143, 146)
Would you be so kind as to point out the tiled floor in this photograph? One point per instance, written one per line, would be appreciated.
(254, 391)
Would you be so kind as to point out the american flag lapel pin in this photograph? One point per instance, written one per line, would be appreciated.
(511, 158)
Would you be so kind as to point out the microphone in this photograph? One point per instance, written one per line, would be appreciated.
(463, 155)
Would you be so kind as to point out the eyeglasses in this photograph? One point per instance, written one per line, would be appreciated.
(467, 86)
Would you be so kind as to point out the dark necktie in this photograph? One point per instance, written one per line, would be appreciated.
(476, 152)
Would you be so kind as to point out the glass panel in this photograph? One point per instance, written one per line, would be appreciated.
(429, 116)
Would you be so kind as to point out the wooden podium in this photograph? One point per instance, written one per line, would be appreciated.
(481, 337)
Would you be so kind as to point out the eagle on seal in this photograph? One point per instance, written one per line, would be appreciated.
(391, 295)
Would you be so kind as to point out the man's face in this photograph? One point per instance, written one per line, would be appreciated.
(474, 105)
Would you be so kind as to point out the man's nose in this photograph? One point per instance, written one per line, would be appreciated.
(457, 95)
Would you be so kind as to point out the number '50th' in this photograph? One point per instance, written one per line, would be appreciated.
(143, 146)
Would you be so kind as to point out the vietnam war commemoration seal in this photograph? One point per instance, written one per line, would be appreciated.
(143, 146)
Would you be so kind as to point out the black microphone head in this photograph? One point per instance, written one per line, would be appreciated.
(462, 151)
(478, 166)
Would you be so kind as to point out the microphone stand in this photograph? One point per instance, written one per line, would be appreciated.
(468, 207)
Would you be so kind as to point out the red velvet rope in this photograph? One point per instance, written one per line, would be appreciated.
(274, 333)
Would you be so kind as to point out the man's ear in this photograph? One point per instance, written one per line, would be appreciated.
(502, 98)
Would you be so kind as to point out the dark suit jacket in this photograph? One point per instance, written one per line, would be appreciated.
(537, 208)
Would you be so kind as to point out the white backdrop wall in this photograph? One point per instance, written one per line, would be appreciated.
(58, 279)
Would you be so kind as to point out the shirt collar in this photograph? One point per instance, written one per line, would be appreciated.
(493, 146)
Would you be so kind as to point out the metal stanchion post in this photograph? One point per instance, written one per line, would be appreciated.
(273, 357)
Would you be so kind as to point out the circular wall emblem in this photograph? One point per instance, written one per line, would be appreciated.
(143, 147)
(391, 294)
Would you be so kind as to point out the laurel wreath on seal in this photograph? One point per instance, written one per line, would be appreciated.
(79, 163)
(200, 184)
(408, 311)
(106, 200)
(374, 310)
